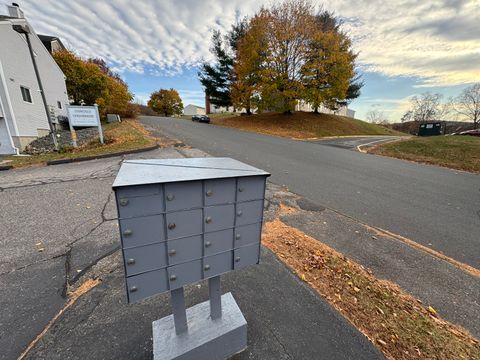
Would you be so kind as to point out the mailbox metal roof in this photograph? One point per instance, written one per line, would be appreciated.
(142, 172)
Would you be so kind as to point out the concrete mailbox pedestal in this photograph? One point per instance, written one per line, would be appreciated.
(181, 221)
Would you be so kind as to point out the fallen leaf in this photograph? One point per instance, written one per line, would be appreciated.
(379, 310)
(356, 289)
(432, 311)
(381, 342)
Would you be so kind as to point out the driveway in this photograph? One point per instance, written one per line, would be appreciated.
(354, 142)
(436, 207)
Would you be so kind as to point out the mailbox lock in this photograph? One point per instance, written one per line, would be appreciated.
(127, 232)
(124, 202)
(241, 189)
(207, 267)
(209, 192)
(172, 252)
(173, 277)
(170, 197)
(239, 213)
(133, 288)
(208, 243)
(172, 226)
(237, 236)
(130, 261)
(208, 219)
(237, 259)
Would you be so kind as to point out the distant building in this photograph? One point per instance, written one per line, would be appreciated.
(191, 109)
(22, 113)
(343, 110)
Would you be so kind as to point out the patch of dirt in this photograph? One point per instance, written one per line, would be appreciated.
(394, 321)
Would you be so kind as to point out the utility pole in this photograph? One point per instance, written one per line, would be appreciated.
(24, 29)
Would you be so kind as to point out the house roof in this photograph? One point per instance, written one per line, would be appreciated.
(47, 41)
(6, 17)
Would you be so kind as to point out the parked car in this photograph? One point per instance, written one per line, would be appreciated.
(471, 132)
(201, 118)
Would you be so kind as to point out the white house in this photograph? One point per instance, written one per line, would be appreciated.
(343, 110)
(191, 109)
(22, 112)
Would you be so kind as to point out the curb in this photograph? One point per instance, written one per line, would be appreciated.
(102, 156)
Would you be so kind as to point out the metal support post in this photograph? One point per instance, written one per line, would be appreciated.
(179, 311)
(215, 295)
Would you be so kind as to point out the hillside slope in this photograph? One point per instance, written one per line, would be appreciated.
(303, 125)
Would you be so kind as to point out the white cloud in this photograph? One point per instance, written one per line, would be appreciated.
(436, 40)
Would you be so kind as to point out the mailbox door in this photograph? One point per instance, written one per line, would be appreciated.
(146, 284)
(139, 190)
(250, 212)
(219, 217)
(250, 188)
(248, 234)
(245, 256)
(139, 206)
(145, 258)
(219, 191)
(183, 195)
(217, 264)
(184, 249)
(142, 231)
(218, 241)
(184, 274)
(184, 223)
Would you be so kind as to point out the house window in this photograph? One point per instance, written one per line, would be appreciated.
(27, 97)
(59, 104)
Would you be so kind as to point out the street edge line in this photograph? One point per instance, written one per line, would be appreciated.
(462, 266)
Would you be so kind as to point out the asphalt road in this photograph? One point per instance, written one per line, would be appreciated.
(59, 229)
(352, 143)
(434, 206)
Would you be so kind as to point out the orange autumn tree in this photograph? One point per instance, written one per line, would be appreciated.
(290, 53)
(166, 102)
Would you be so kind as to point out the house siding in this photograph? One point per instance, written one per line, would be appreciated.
(18, 70)
(193, 110)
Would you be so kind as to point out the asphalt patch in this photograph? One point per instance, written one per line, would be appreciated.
(308, 205)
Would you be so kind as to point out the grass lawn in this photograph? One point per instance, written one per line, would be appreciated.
(303, 125)
(127, 135)
(456, 152)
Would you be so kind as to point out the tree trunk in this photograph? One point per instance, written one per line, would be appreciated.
(315, 110)
(249, 112)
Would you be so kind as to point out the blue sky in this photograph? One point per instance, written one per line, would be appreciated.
(405, 47)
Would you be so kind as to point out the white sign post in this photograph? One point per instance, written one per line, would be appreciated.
(84, 116)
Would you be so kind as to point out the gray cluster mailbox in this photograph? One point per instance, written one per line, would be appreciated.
(181, 221)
